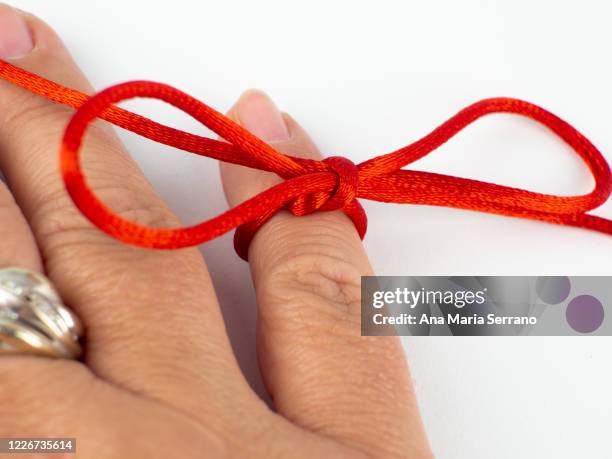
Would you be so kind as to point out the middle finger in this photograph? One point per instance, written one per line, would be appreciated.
(152, 318)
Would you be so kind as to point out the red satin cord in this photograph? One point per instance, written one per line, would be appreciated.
(309, 186)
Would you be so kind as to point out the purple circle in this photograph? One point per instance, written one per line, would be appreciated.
(585, 314)
(553, 290)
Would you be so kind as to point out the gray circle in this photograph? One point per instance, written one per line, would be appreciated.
(553, 289)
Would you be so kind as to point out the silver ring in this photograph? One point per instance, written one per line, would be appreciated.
(33, 318)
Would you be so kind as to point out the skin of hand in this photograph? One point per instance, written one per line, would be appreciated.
(159, 378)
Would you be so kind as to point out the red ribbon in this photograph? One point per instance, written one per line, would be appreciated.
(309, 186)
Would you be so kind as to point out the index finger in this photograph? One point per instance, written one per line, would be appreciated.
(322, 374)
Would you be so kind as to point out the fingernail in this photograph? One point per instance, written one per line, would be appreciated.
(257, 113)
(15, 38)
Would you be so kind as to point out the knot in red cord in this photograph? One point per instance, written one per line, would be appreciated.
(347, 182)
(346, 175)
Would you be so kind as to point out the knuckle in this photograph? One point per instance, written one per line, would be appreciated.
(308, 275)
(312, 289)
(111, 173)
(21, 111)
(58, 223)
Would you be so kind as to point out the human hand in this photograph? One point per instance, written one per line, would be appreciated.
(159, 378)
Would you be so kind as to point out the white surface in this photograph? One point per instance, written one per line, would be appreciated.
(365, 78)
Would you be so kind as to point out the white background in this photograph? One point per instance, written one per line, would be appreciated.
(368, 77)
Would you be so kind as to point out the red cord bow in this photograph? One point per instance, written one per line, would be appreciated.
(332, 184)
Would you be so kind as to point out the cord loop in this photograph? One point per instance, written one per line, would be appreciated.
(332, 184)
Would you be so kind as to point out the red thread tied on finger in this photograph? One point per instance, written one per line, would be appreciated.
(309, 186)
